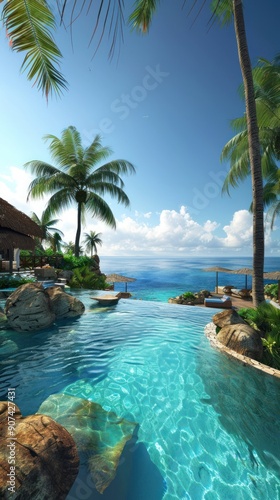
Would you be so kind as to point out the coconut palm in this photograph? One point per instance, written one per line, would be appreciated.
(56, 242)
(225, 11)
(69, 247)
(47, 225)
(141, 18)
(78, 179)
(91, 240)
(267, 97)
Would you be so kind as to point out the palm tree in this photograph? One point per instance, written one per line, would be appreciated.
(56, 242)
(225, 10)
(141, 17)
(267, 96)
(69, 247)
(78, 179)
(46, 224)
(91, 241)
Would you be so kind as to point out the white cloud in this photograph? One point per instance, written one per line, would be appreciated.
(14, 189)
(240, 229)
(172, 232)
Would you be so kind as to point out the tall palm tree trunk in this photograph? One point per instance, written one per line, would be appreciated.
(254, 153)
(79, 227)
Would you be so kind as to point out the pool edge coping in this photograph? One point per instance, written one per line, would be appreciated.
(210, 332)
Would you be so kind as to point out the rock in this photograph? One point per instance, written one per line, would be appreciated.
(101, 435)
(243, 339)
(227, 317)
(29, 309)
(65, 274)
(41, 457)
(64, 305)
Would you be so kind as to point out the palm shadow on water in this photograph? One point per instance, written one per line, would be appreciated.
(137, 477)
(248, 406)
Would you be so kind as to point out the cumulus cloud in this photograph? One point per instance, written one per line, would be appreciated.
(240, 229)
(168, 232)
(14, 189)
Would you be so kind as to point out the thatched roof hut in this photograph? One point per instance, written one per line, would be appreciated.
(16, 230)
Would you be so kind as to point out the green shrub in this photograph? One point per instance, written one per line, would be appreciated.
(69, 261)
(271, 290)
(14, 281)
(83, 277)
(266, 319)
(188, 295)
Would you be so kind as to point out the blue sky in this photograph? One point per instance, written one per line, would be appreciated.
(164, 103)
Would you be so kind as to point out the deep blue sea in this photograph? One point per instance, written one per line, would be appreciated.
(160, 278)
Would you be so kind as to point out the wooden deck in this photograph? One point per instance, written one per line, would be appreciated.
(236, 301)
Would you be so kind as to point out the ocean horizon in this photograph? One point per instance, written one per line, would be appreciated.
(159, 278)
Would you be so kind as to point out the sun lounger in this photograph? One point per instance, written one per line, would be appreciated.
(221, 303)
(244, 293)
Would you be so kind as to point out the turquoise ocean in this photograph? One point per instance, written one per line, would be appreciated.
(158, 279)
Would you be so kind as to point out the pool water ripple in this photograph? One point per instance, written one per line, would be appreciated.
(208, 427)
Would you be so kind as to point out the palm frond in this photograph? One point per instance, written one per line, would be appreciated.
(141, 18)
(29, 25)
(103, 188)
(108, 16)
(100, 209)
(60, 201)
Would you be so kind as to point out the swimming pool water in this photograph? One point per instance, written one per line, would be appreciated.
(208, 426)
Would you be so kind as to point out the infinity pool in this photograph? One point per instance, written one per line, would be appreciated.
(208, 426)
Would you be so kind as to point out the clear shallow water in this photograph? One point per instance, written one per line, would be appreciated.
(208, 426)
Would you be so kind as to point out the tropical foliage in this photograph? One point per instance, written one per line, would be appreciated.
(14, 281)
(47, 226)
(55, 242)
(266, 319)
(91, 240)
(271, 290)
(78, 179)
(30, 25)
(83, 277)
(267, 96)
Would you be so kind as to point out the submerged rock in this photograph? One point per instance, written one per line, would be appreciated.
(101, 435)
(8, 347)
(38, 453)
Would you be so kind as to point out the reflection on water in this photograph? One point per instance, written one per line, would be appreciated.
(248, 404)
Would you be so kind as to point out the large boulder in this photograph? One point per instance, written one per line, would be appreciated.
(227, 317)
(32, 307)
(29, 308)
(242, 338)
(38, 457)
(64, 305)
